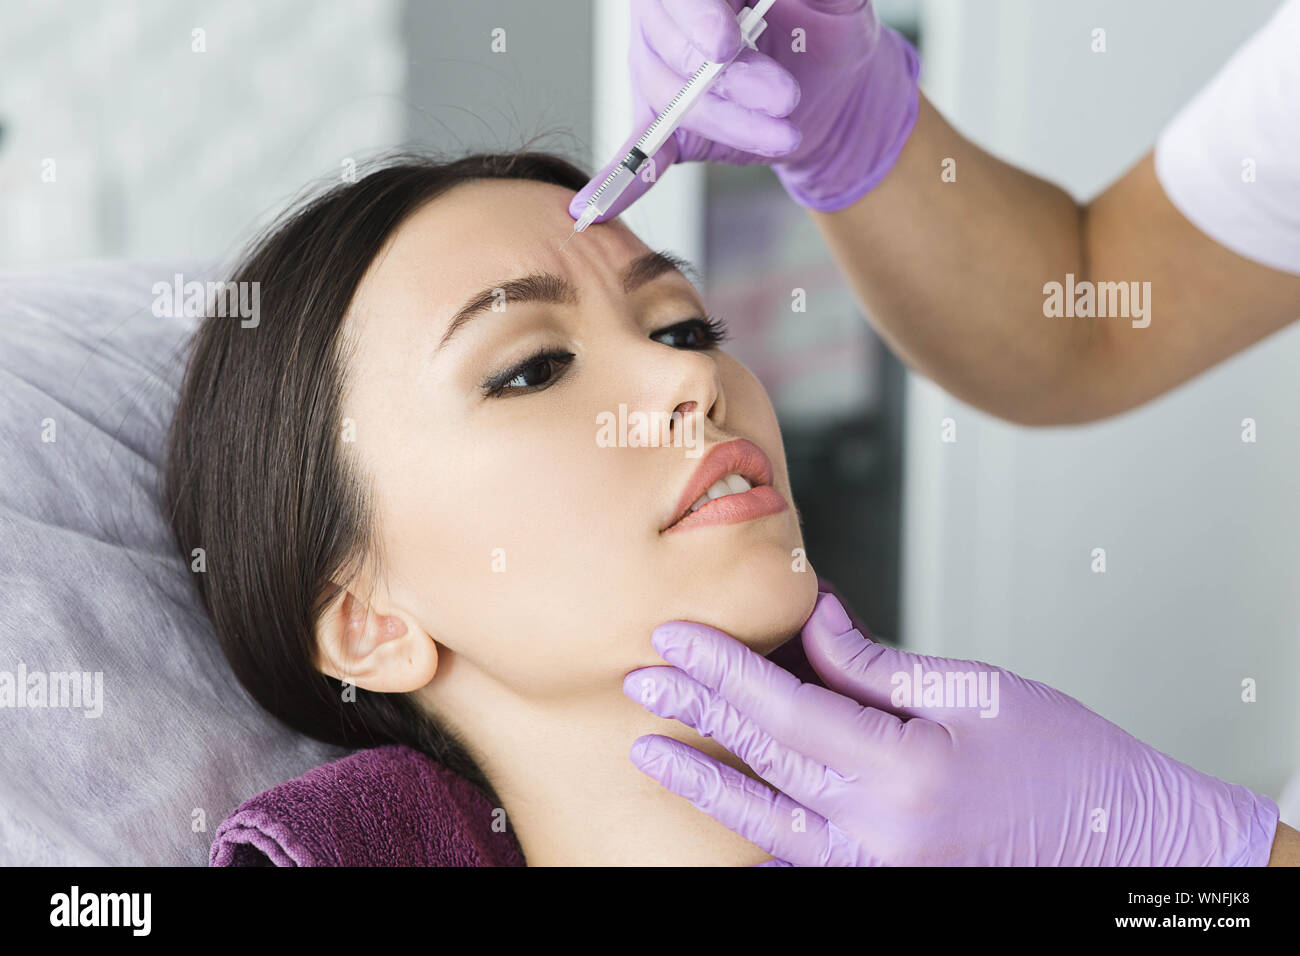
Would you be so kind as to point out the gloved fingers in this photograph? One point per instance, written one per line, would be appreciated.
(674, 695)
(752, 80)
(757, 82)
(831, 729)
(708, 25)
(850, 663)
(894, 680)
(714, 117)
(766, 818)
(662, 160)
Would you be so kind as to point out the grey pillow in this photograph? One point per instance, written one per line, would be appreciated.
(90, 583)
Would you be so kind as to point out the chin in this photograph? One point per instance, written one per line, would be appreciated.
(759, 600)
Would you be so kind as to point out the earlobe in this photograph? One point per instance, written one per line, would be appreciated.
(383, 652)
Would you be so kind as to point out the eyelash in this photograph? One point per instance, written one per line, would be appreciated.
(714, 331)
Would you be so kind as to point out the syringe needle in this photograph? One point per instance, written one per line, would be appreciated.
(589, 215)
(607, 193)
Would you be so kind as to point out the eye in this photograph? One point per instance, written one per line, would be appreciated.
(704, 332)
(533, 374)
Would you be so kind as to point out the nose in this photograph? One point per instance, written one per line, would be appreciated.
(693, 386)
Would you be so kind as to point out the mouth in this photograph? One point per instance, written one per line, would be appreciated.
(732, 484)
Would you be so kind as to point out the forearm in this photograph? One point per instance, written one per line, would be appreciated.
(952, 272)
(953, 275)
(1286, 847)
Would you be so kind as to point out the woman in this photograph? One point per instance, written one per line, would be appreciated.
(398, 481)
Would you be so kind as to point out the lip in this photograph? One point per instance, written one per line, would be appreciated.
(739, 456)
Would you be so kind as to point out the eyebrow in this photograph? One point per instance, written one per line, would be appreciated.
(549, 287)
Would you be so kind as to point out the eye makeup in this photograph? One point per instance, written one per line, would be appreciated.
(547, 366)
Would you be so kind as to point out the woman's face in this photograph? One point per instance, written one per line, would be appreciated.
(514, 534)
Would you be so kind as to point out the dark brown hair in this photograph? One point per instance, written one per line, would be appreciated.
(255, 472)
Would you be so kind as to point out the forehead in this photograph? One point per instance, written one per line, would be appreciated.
(488, 231)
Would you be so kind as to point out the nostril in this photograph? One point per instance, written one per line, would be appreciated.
(680, 412)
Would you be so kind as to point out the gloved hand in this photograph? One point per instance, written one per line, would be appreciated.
(829, 108)
(1043, 781)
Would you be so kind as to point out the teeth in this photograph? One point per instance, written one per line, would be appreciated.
(738, 484)
(732, 484)
(718, 489)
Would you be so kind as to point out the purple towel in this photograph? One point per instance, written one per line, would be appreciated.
(390, 806)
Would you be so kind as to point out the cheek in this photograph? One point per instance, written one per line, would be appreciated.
(521, 541)
(750, 411)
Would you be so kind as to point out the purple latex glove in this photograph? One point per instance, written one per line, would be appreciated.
(1042, 781)
(829, 107)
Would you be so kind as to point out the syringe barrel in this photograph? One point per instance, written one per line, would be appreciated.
(667, 121)
(604, 198)
(751, 24)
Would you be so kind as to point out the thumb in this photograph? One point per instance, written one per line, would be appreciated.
(646, 177)
(849, 663)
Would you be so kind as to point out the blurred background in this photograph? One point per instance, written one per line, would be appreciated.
(172, 129)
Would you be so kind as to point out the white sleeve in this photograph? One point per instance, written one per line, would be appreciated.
(1289, 803)
(1230, 160)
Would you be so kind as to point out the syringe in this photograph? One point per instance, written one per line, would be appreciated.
(657, 133)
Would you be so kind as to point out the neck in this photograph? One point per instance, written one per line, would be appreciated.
(574, 797)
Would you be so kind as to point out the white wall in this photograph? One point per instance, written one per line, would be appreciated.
(162, 151)
(1201, 531)
(671, 216)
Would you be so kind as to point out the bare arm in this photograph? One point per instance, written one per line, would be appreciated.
(952, 275)
(1286, 847)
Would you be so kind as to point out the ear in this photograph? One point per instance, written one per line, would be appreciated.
(382, 652)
